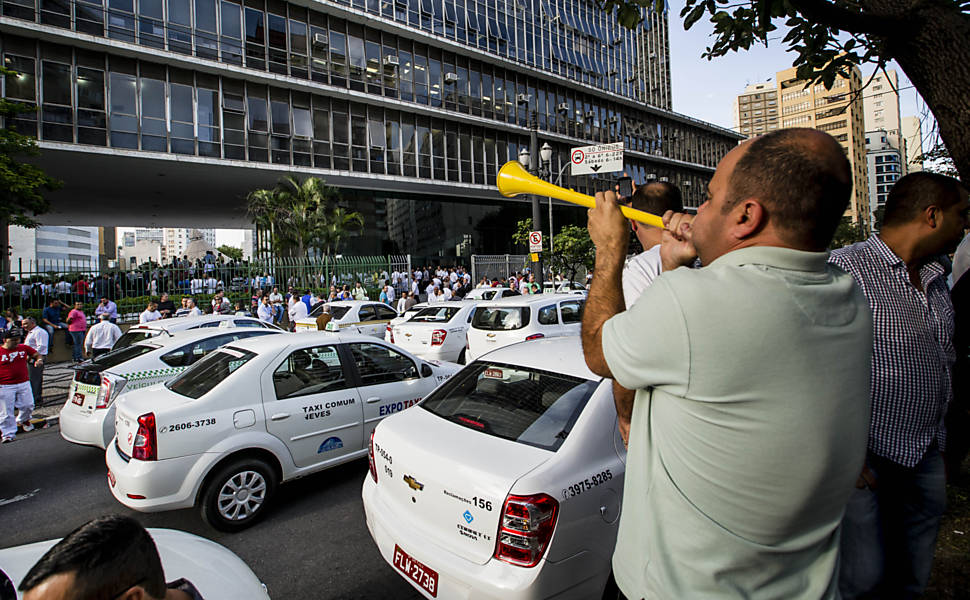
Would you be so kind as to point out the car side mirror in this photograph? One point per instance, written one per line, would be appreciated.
(426, 370)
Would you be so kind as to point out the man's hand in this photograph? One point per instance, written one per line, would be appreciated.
(38, 362)
(867, 479)
(607, 226)
(676, 245)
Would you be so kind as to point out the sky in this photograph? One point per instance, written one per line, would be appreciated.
(706, 89)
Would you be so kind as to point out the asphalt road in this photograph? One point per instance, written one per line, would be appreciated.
(312, 544)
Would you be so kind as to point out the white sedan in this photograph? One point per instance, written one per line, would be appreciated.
(523, 318)
(144, 331)
(437, 332)
(389, 332)
(224, 433)
(88, 415)
(351, 316)
(490, 293)
(505, 483)
(184, 556)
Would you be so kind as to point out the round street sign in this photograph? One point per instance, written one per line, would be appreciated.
(535, 241)
(578, 157)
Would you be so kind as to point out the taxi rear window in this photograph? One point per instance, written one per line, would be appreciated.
(134, 335)
(120, 355)
(336, 312)
(501, 318)
(208, 372)
(529, 406)
(436, 314)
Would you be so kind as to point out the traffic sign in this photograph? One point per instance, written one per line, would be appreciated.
(535, 241)
(601, 158)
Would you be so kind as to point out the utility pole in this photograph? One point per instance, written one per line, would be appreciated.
(535, 167)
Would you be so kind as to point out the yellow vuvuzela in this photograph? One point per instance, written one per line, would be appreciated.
(514, 180)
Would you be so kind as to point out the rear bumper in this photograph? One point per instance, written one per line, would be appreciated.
(87, 430)
(575, 577)
(163, 484)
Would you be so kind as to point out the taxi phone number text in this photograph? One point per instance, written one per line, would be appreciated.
(587, 484)
(191, 424)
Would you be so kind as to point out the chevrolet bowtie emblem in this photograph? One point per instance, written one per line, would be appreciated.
(413, 483)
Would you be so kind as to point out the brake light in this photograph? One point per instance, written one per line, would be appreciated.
(104, 393)
(526, 528)
(438, 337)
(390, 332)
(145, 446)
(535, 336)
(370, 457)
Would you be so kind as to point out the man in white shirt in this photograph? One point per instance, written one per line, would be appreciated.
(446, 293)
(296, 311)
(639, 271)
(210, 284)
(194, 311)
(38, 339)
(101, 337)
(195, 285)
(265, 310)
(150, 314)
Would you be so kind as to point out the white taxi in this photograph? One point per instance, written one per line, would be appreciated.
(224, 433)
(505, 482)
(351, 316)
(144, 331)
(437, 331)
(523, 318)
(88, 415)
(491, 293)
(184, 556)
(389, 331)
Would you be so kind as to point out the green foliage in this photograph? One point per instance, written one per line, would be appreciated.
(231, 252)
(847, 233)
(21, 184)
(301, 216)
(572, 248)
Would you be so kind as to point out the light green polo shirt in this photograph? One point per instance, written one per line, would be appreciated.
(749, 426)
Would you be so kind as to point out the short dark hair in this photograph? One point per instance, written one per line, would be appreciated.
(105, 555)
(803, 178)
(916, 192)
(657, 198)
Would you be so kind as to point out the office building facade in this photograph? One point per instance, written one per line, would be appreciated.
(756, 109)
(886, 163)
(53, 248)
(409, 106)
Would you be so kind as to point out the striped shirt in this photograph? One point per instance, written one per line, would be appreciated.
(912, 351)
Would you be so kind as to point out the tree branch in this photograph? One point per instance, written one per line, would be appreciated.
(829, 14)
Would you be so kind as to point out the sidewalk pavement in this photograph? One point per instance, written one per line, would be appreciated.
(57, 380)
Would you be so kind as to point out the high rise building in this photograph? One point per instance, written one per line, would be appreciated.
(913, 138)
(197, 102)
(839, 112)
(880, 102)
(756, 109)
(885, 162)
(53, 248)
(177, 240)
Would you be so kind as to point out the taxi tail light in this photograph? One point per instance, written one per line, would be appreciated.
(370, 457)
(145, 446)
(526, 528)
(535, 336)
(110, 389)
(390, 332)
(438, 337)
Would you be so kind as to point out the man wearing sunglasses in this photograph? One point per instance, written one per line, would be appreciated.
(110, 557)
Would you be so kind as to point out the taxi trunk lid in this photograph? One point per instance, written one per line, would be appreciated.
(450, 482)
(416, 337)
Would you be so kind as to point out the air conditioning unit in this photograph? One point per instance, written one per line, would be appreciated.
(617, 39)
(451, 77)
(523, 98)
(612, 73)
(651, 176)
(590, 114)
(665, 179)
(563, 107)
(391, 61)
(320, 39)
(614, 119)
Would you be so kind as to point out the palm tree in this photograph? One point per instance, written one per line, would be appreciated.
(339, 224)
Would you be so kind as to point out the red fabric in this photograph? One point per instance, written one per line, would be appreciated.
(13, 364)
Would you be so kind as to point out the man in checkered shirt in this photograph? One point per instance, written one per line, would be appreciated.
(890, 526)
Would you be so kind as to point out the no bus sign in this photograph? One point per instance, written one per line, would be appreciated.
(601, 158)
(535, 241)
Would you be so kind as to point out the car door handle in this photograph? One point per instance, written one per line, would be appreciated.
(279, 416)
(373, 399)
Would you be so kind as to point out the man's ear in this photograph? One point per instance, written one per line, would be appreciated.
(135, 593)
(748, 217)
(931, 215)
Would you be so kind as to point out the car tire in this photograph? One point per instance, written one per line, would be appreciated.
(237, 495)
(461, 357)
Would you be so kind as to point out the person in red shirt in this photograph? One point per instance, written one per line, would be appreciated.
(15, 393)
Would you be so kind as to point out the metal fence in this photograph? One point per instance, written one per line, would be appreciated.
(498, 266)
(29, 291)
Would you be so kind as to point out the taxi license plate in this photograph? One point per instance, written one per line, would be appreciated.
(420, 574)
(78, 398)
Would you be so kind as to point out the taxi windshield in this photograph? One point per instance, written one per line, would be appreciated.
(526, 405)
(336, 312)
(207, 373)
(120, 355)
(435, 314)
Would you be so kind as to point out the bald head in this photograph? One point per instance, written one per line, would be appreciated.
(802, 178)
